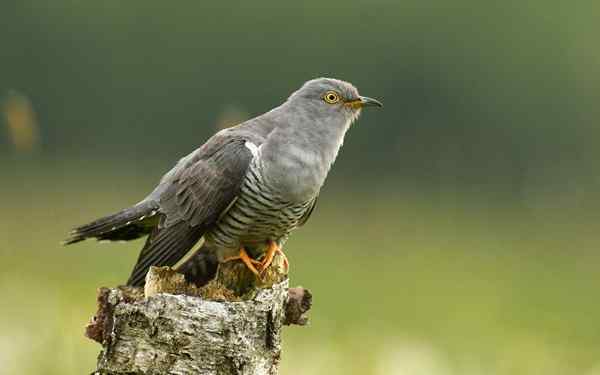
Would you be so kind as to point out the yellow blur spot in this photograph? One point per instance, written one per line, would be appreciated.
(21, 121)
(231, 116)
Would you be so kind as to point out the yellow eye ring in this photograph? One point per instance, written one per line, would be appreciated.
(331, 97)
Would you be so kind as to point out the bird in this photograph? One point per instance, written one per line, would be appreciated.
(243, 192)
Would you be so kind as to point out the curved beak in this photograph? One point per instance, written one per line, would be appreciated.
(365, 101)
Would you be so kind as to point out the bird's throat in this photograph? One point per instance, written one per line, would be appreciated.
(297, 162)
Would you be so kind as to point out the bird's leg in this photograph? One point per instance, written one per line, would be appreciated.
(268, 259)
(244, 257)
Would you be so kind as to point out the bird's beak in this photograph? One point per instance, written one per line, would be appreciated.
(365, 101)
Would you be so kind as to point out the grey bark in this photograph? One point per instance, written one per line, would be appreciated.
(172, 327)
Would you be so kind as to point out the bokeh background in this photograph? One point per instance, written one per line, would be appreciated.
(457, 233)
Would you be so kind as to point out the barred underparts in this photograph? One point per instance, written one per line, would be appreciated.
(258, 214)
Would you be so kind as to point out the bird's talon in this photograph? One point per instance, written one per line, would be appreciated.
(245, 258)
(269, 255)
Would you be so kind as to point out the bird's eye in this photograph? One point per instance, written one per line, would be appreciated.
(331, 97)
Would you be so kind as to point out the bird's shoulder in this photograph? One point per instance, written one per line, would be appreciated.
(204, 182)
(228, 142)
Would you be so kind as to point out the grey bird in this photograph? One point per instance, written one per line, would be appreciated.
(244, 190)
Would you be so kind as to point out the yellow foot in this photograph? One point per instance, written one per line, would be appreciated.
(268, 259)
(244, 257)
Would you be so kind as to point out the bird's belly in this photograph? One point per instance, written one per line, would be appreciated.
(259, 215)
(251, 224)
(247, 226)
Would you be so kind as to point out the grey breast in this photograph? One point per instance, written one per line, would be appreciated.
(258, 214)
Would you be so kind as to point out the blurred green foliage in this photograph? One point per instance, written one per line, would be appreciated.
(479, 94)
(462, 218)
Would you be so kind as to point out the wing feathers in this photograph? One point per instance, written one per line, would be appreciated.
(164, 247)
(191, 198)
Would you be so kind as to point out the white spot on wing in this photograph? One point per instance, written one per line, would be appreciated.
(252, 147)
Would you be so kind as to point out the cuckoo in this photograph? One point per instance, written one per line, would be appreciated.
(242, 192)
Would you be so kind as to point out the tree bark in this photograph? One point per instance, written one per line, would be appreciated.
(230, 326)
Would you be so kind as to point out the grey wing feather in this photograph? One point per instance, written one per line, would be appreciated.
(199, 192)
(191, 197)
(164, 247)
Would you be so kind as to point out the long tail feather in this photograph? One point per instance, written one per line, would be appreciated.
(127, 224)
(201, 267)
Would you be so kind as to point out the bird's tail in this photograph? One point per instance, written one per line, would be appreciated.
(201, 267)
(128, 224)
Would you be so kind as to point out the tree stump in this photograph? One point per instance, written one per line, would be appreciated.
(232, 325)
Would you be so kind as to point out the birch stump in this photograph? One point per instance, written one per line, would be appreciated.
(232, 325)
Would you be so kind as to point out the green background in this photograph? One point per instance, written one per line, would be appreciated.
(457, 233)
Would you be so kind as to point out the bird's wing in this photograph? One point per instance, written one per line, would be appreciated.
(202, 188)
(192, 197)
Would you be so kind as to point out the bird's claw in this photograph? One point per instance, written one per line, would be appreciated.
(247, 260)
(269, 255)
(260, 267)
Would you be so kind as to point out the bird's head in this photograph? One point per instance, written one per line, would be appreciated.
(329, 97)
(311, 126)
